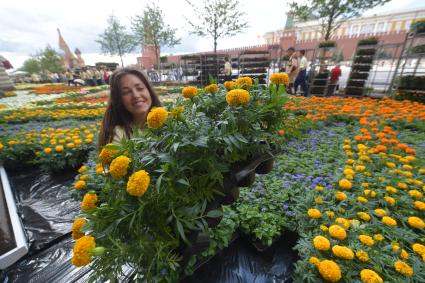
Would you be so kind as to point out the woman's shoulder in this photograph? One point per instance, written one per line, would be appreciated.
(119, 134)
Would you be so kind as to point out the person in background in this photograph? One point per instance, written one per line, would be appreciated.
(69, 77)
(227, 69)
(335, 74)
(301, 79)
(292, 69)
(131, 99)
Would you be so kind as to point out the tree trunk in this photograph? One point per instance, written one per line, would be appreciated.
(122, 63)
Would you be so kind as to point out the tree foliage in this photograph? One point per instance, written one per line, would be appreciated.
(150, 29)
(44, 61)
(332, 13)
(217, 19)
(115, 40)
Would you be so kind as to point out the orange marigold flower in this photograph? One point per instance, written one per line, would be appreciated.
(76, 226)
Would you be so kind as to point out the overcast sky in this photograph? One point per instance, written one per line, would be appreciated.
(27, 25)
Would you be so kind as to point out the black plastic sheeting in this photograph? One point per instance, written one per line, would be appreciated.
(45, 205)
(241, 262)
(48, 211)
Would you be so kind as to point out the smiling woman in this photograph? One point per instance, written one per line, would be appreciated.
(132, 97)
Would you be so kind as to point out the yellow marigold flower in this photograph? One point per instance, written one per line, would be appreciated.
(330, 213)
(340, 196)
(389, 221)
(410, 158)
(324, 228)
(391, 164)
(346, 147)
(321, 243)
(395, 247)
(404, 254)
(99, 170)
(389, 200)
(89, 202)
(119, 166)
(59, 148)
(237, 97)
(138, 183)
(279, 78)
(84, 177)
(422, 171)
(156, 117)
(82, 169)
(314, 261)
(245, 82)
(342, 252)
(420, 205)
(318, 200)
(418, 182)
(380, 212)
(362, 199)
(350, 161)
(402, 185)
(212, 88)
(349, 177)
(70, 145)
(190, 91)
(407, 167)
(365, 185)
(79, 185)
(360, 168)
(368, 174)
(370, 276)
(378, 237)
(176, 112)
(229, 85)
(372, 194)
(366, 240)
(319, 188)
(1, 146)
(419, 249)
(403, 268)
(106, 154)
(344, 223)
(362, 256)
(82, 251)
(415, 194)
(314, 213)
(363, 216)
(47, 150)
(347, 141)
(337, 232)
(416, 222)
(345, 184)
(329, 270)
(391, 189)
(76, 226)
(349, 171)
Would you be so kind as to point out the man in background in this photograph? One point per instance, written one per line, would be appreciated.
(302, 74)
(227, 69)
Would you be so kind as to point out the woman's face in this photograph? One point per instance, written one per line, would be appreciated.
(135, 97)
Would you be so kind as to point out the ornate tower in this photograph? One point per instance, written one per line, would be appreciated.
(69, 58)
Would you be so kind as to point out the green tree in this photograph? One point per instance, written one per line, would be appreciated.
(31, 66)
(115, 40)
(50, 60)
(150, 29)
(217, 19)
(332, 13)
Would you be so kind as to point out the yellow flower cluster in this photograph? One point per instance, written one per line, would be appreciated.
(138, 183)
(244, 82)
(157, 117)
(343, 252)
(237, 97)
(345, 184)
(79, 185)
(82, 250)
(403, 268)
(321, 243)
(366, 240)
(212, 88)
(76, 226)
(337, 232)
(106, 154)
(119, 166)
(89, 202)
(330, 270)
(314, 213)
(279, 78)
(370, 276)
(190, 91)
(229, 85)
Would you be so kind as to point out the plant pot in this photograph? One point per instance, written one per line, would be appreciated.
(231, 196)
(265, 167)
(248, 180)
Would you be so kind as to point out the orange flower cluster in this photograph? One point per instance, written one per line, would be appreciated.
(323, 108)
(51, 89)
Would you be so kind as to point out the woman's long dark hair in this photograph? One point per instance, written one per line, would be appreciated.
(116, 114)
